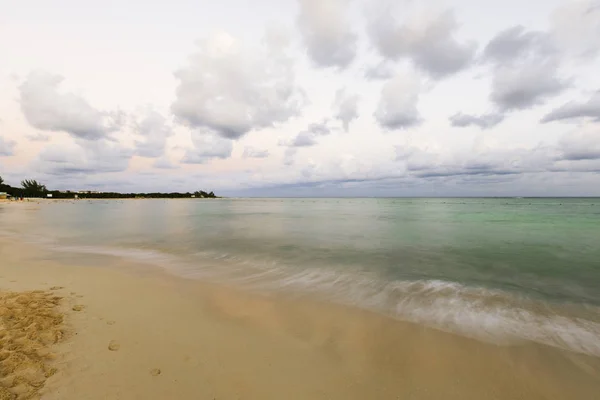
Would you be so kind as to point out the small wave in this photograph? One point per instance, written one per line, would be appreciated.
(485, 314)
(481, 313)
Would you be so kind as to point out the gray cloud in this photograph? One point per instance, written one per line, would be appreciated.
(397, 108)
(381, 71)
(252, 152)
(345, 107)
(327, 35)
(525, 86)
(289, 157)
(83, 157)
(232, 90)
(309, 136)
(164, 163)
(583, 144)
(517, 43)
(7, 147)
(48, 109)
(525, 68)
(430, 43)
(38, 137)
(570, 110)
(484, 121)
(154, 129)
(207, 146)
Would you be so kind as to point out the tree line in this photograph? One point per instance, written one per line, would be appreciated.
(33, 188)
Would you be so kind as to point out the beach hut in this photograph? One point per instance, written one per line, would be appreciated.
(4, 195)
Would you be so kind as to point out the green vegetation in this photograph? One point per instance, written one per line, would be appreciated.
(33, 188)
(31, 185)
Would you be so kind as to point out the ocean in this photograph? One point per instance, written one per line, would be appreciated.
(502, 270)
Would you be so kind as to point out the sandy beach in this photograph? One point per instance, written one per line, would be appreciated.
(104, 327)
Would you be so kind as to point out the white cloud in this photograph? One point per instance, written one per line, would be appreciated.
(327, 33)
(581, 144)
(289, 157)
(155, 130)
(83, 157)
(46, 108)
(207, 146)
(345, 107)
(428, 40)
(576, 28)
(397, 108)
(231, 89)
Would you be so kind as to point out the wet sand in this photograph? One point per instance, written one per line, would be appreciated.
(132, 332)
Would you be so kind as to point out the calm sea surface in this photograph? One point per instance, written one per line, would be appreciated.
(501, 270)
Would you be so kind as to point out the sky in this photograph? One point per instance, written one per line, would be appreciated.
(303, 97)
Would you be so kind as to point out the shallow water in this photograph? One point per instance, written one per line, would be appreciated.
(500, 270)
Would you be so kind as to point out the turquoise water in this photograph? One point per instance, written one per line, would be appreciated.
(495, 269)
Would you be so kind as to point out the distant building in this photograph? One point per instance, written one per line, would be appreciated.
(49, 195)
(4, 195)
(88, 192)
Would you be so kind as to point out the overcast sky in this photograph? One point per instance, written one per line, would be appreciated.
(303, 97)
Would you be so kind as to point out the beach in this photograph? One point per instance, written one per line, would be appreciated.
(109, 323)
(135, 334)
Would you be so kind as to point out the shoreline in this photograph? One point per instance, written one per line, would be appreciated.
(180, 338)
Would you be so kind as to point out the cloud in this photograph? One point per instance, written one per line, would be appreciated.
(428, 164)
(309, 136)
(164, 163)
(83, 157)
(345, 107)
(232, 90)
(7, 147)
(381, 71)
(428, 41)
(397, 108)
(583, 144)
(484, 121)
(207, 146)
(525, 66)
(327, 35)
(46, 108)
(252, 152)
(154, 129)
(516, 43)
(572, 109)
(289, 157)
(38, 137)
(576, 28)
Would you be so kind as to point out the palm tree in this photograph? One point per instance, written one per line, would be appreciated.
(31, 185)
(1, 181)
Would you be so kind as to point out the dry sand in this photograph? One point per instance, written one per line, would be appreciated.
(29, 324)
(131, 332)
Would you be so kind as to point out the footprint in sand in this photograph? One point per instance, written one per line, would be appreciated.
(155, 372)
(78, 307)
(57, 287)
(110, 322)
(114, 345)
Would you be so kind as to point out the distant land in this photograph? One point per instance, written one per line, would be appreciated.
(32, 188)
